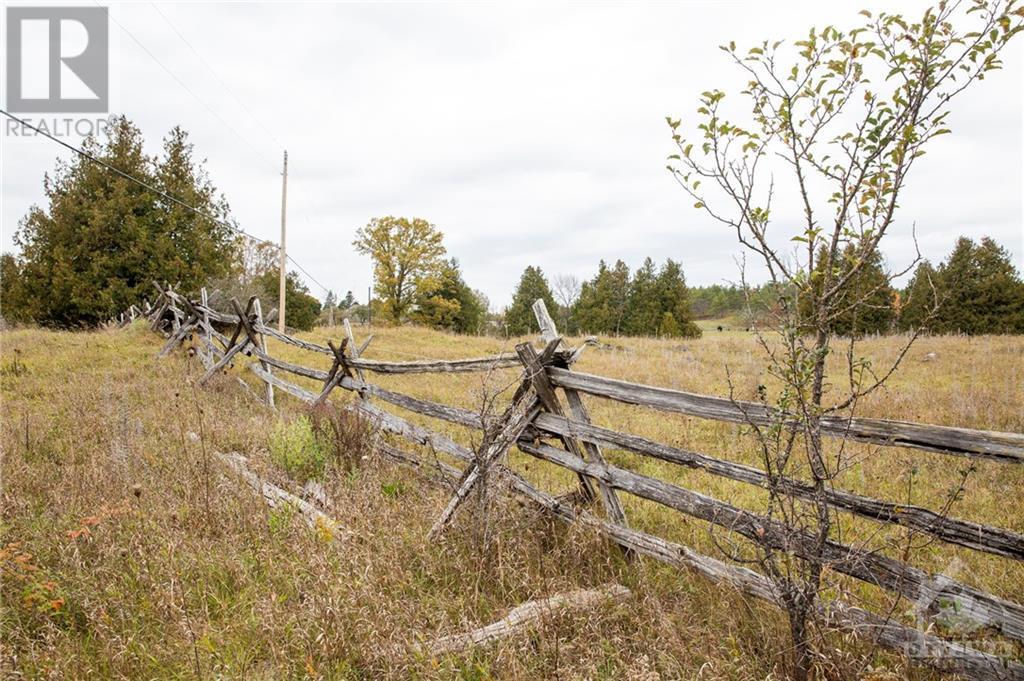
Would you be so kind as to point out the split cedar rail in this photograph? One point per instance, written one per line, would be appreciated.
(538, 417)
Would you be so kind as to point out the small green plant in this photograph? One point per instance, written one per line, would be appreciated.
(279, 519)
(296, 449)
(392, 489)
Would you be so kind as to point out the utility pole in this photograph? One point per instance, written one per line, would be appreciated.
(284, 256)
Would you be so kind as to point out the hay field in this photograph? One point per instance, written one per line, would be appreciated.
(127, 553)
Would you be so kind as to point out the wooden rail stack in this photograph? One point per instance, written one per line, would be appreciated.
(558, 430)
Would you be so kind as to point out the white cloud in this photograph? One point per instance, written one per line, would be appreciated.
(531, 134)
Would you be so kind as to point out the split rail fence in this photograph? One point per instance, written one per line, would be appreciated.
(558, 430)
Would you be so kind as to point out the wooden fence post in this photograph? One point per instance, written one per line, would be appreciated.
(612, 505)
(258, 309)
(356, 351)
(339, 370)
(203, 350)
(175, 315)
(548, 330)
(538, 377)
(235, 345)
(159, 307)
(187, 324)
(502, 437)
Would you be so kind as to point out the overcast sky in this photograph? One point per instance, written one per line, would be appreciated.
(529, 134)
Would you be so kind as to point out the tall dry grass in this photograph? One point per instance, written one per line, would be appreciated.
(129, 553)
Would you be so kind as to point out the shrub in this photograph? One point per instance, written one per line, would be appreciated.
(344, 437)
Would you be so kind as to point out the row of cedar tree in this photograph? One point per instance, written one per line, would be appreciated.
(975, 290)
(104, 239)
(652, 302)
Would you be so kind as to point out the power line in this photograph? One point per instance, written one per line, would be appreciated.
(214, 113)
(228, 89)
(182, 83)
(160, 192)
(132, 178)
(213, 71)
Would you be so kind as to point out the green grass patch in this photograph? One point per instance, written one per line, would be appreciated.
(297, 450)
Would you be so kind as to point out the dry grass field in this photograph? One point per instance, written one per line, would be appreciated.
(126, 552)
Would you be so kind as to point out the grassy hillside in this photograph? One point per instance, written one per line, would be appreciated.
(127, 552)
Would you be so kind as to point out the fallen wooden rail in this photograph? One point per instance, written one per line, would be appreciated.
(524, 616)
(275, 497)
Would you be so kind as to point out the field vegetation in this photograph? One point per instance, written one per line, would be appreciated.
(128, 551)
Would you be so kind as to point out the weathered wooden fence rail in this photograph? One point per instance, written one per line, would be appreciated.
(537, 413)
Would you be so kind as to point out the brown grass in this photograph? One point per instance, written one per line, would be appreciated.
(128, 553)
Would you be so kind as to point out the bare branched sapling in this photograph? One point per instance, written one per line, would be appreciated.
(837, 121)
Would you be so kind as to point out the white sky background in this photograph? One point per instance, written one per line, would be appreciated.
(530, 134)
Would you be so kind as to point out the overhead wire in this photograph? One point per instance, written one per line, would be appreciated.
(212, 112)
(231, 92)
(213, 71)
(189, 90)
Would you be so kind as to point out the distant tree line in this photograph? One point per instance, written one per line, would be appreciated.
(976, 290)
(650, 302)
(717, 301)
(101, 240)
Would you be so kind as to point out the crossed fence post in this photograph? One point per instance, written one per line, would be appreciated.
(535, 394)
(185, 326)
(236, 344)
(578, 410)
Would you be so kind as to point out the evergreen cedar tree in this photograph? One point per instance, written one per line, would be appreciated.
(102, 240)
(866, 306)
(519, 317)
(978, 289)
(654, 302)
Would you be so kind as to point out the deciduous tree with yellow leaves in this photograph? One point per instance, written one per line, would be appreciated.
(408, 258)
